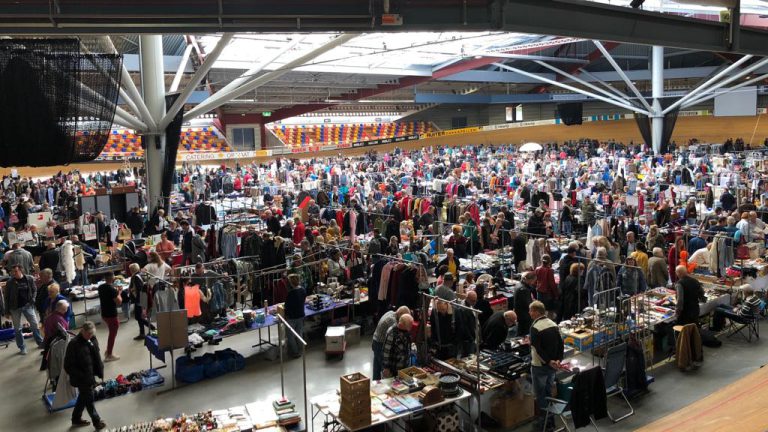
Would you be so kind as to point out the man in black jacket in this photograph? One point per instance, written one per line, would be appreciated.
(497, 328)
(546, 354)
(82, 362)
(50, 258)
(523, 298)
(294, 313)
(466, 326)
(273, 224)
(135, 223)
(519, 253)
(564, 268)
(689, 294)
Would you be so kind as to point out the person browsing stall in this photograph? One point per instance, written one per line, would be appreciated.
(387, 320)
(397, 347)
(546, 354)
(294, 313)
(496, 329)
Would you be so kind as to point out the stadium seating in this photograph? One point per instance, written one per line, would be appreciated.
(333, 134)
(125, 143)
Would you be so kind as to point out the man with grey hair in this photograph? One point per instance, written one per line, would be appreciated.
(446, 290)
(46, 279)
(451, 262)
(83, 364)
(140, 296)
(749, 308)
(397, 346)
(387, 320)
(56, 322)
(19, 256)
(689, 294)
(658, 272)
(20, 293)
(466, 326)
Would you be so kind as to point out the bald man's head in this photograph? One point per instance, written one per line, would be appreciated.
(471, 298)
(510, 318)
(402, 310)
(405, 322)
(681, 271)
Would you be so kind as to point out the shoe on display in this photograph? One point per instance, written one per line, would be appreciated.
(80, 423)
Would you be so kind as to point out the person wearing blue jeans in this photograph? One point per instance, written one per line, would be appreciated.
(20, 293)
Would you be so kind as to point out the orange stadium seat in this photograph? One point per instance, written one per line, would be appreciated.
(298, 136)
(125, 143)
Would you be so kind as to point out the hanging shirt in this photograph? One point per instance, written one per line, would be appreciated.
(192, 296)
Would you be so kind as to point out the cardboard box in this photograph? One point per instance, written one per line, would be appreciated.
(334, 339)
(756, 250)
(584, 340)
(513, 408)
(352, 334)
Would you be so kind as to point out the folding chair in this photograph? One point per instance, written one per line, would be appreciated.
(562, 409)
(749, 323)
(614, 366)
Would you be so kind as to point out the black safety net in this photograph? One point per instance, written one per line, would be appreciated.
(644, 125)
(56, 103)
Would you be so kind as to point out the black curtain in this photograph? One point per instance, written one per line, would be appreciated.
(570, 113)
(644, 124)
(56, 103)
(172, 140)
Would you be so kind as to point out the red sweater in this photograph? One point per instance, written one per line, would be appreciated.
(545, 281)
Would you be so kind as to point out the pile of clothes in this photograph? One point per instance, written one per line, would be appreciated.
(125, 384)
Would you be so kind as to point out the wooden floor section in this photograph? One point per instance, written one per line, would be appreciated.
(740, 407)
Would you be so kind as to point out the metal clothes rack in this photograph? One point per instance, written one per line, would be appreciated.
(282, 326)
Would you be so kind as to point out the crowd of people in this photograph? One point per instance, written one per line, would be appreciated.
(648, 221)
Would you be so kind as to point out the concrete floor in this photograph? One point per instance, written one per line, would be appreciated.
(260, 380)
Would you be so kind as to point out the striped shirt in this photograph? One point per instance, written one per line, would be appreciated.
(751, 306)
(387, 320)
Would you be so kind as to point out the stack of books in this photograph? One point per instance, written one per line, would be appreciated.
(286, 412)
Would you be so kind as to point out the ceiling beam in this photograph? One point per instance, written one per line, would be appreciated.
(627, 25)
(220, 98)
(409, 81)
(576, 69)
(200, 73)
(555, 17)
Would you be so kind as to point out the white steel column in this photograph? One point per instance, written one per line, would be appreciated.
(153, 89)
(657, 91)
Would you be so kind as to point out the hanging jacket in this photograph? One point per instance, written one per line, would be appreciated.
(635, 367)
(689, 348)
(588, 397)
